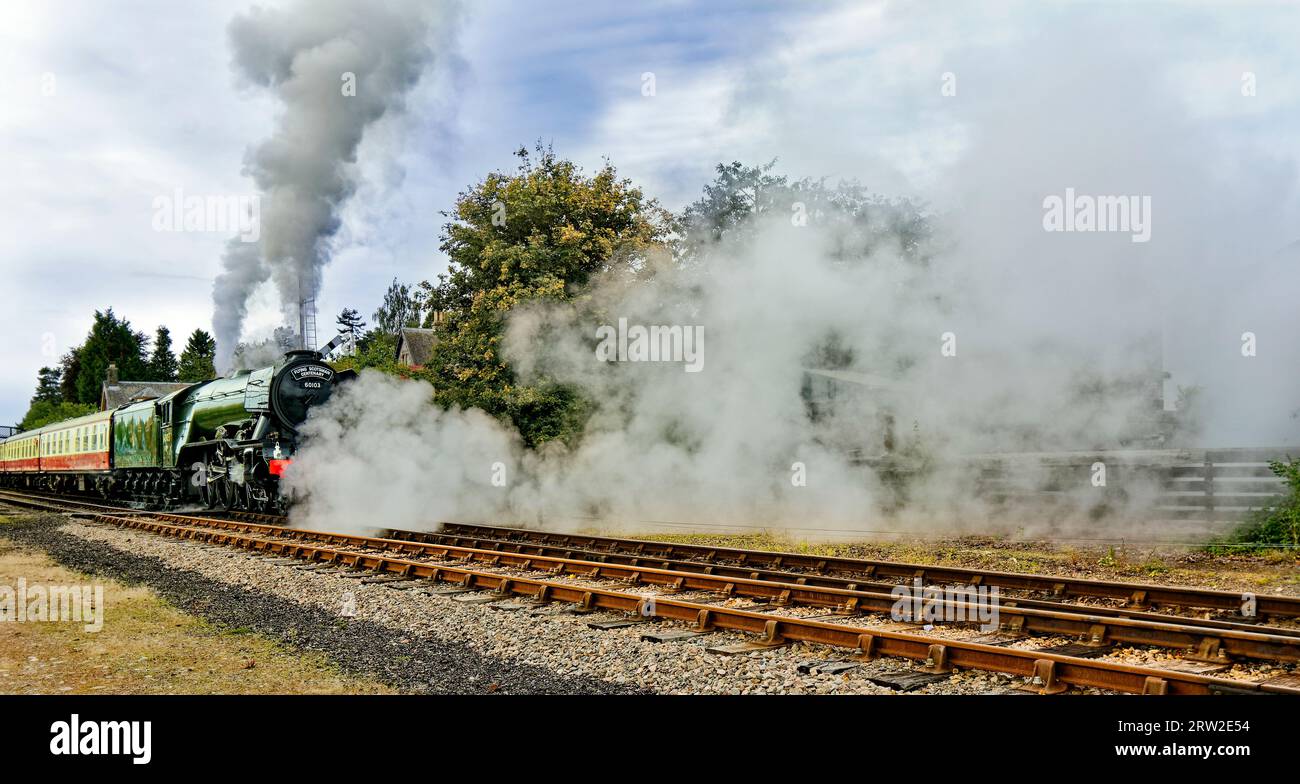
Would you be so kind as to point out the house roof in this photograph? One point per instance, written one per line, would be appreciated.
(123, 392)
(419, 343)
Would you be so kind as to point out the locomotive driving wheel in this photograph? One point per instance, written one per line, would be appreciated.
(227, 493)
(208, 495)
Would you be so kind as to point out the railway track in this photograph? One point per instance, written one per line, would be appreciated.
(724, 569)
(829, 613)
(813, 568)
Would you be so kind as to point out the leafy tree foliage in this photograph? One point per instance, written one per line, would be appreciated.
(377, 350)
(44, 412)
(48, 404)
(111, 341)
(736, 195)
(401, 308)
(1277, 526)
(70, 367)
(862, 222)
(197, 359)
(542, 232)
(162, 363)
(350, 323)
(48, 386)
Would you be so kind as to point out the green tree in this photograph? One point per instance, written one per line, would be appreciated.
(44, 412)
(162, 363)
(729, 203)
(350, 322)
(48, 386)
(861, 222)
(111, 341)
(70, 367)
(542, 232)
(197, 358)
(401, 308)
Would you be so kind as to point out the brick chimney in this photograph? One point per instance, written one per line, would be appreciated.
(111, 376)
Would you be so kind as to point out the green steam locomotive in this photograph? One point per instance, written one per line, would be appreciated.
(224, 443)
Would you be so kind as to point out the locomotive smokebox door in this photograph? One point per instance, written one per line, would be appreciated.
(305, 381)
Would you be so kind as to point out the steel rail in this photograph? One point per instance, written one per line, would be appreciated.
(1136, 594)
(803, 578)
(1210, 646)
(1050, 673)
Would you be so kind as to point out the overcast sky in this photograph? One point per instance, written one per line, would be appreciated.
(106, 106)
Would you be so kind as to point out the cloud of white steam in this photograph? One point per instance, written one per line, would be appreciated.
(335, 67)
(383, 455)
(1060, 337)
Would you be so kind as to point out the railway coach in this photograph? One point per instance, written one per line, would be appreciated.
(224, 442)
(68, 455)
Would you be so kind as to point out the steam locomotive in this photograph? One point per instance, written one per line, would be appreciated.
(224, 443)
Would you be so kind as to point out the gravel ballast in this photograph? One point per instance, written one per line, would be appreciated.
(235, 593)
(420, 641)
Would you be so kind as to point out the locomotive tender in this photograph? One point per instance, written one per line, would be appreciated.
(224, 442)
